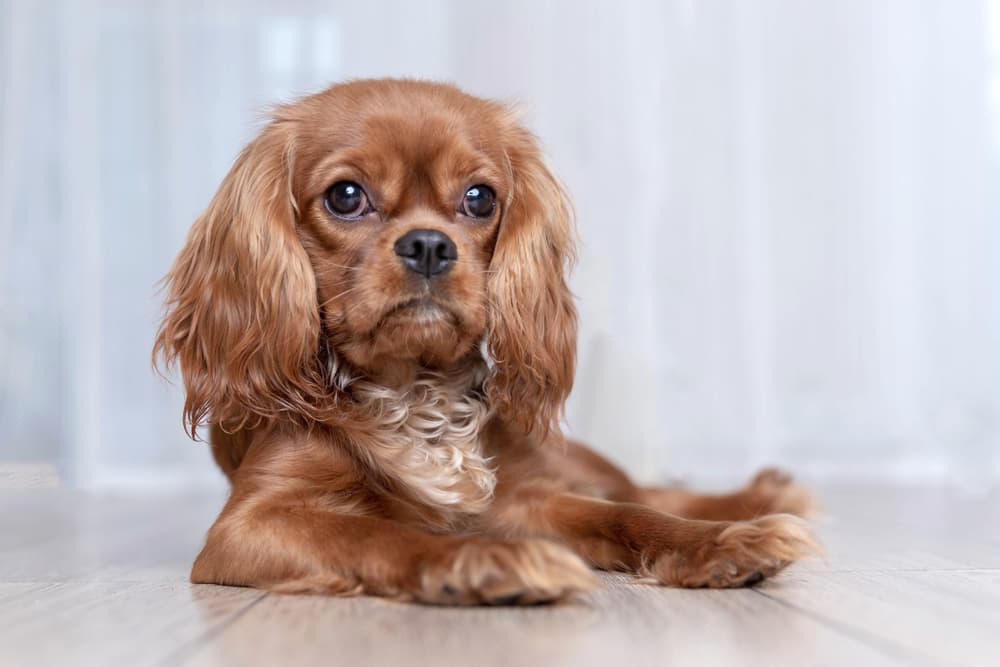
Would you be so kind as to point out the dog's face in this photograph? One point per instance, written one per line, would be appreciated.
(400, 200)
(393, 224)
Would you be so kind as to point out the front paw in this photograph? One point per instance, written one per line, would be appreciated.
(504, 572)
(734, 554)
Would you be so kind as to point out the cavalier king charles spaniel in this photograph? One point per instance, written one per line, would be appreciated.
(373, 321)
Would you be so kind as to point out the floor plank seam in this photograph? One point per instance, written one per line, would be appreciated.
(48, 585)
(97, 581)
(886, 647)
(185, 651)
(932, 570)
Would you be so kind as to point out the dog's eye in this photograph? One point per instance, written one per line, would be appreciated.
(479, 201)
(346, 199)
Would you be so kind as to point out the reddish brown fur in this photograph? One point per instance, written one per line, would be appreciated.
(297, 346)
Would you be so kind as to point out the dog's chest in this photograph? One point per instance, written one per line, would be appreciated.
(427, 439)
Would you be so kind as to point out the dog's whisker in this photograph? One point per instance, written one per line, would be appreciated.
(333, 298)
(342, 266)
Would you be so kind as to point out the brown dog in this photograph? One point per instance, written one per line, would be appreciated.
(373, 318)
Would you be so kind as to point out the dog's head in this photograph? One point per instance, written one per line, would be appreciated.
(394, 224)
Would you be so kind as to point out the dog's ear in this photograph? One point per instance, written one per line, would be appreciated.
(532, 318)
(242, 317)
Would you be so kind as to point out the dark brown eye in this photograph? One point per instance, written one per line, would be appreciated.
(479, 201)
(346, 199)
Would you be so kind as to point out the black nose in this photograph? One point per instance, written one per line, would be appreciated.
(426, 251)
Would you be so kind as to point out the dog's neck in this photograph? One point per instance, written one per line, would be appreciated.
(464, 377)
(422, 432)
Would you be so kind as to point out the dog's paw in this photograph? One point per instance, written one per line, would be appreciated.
(505, 572)
(734, 554)
(773, 491)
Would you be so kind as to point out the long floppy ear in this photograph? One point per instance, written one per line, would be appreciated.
(532, 323)
(242, 316)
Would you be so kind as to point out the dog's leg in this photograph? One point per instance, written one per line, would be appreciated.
(771, 491)
(670, 549)
(296, 547)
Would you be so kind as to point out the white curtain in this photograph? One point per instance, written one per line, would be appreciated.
(790, 214)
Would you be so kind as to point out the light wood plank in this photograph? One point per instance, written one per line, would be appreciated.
(913, 577)
(133, 624)
(943, 617)
(18, 475)
(59, 535)
(866, 528)
(642, 625)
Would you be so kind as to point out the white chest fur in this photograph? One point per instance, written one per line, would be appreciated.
(426, 437)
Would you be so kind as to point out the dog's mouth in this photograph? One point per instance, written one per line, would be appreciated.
(420, 310)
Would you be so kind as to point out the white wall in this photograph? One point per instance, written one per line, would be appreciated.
(790, 213)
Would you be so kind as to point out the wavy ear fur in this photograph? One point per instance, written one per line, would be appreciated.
(532, 324)
(242, 317)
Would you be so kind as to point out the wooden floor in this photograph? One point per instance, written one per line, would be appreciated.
(913, 578)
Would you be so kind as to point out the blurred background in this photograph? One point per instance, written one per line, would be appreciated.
(790, 215)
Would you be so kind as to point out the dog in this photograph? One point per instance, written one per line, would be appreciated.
(372, 320)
